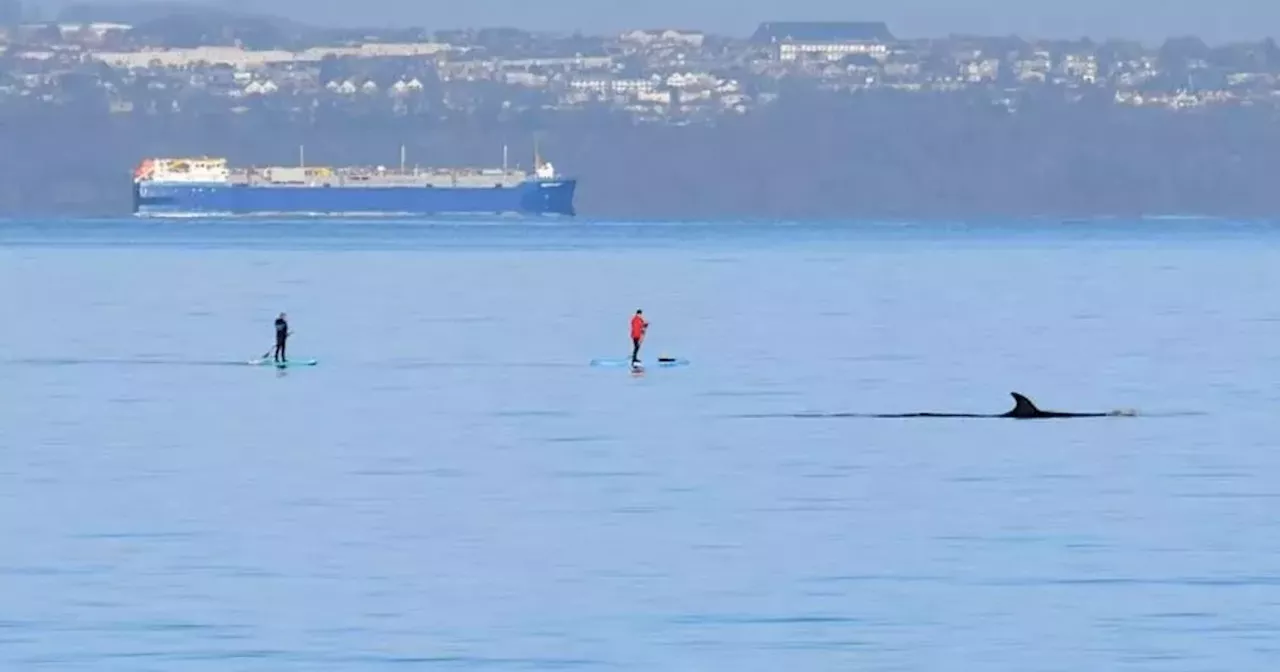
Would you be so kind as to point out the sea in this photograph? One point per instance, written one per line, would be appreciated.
(455, 487)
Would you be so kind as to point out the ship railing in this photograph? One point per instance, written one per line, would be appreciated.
(373, 171)
(358, 174)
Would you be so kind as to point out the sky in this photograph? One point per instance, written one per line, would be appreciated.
(1147, 20)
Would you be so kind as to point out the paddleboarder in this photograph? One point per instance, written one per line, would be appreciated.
(638, 328)
(282, 334)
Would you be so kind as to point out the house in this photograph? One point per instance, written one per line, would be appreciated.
(662, 37)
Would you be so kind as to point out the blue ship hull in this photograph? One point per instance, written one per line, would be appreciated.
(530, 197)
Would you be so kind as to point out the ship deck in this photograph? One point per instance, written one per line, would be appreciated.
(373, 178)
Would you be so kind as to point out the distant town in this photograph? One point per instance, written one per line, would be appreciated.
(797, 119)
(204, 60)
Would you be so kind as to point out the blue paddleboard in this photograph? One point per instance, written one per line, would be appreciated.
(283, 365)
(623, 362)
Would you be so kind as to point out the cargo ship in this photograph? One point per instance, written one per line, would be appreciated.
(208, 186)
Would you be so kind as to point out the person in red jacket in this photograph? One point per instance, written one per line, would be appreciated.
(638, 328)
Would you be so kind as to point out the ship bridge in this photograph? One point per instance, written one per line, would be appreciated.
(192, 170)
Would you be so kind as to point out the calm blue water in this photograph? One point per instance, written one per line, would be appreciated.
(454, 488)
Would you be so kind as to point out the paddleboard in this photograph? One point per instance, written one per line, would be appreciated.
(283, 365)
(623, 362)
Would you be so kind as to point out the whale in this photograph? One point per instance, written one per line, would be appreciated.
(1023, 409)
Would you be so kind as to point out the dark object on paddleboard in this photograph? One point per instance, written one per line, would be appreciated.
(622, 362)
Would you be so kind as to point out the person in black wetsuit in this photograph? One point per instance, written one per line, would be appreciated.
(282, 333)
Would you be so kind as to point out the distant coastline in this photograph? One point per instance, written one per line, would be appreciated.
(797, 120)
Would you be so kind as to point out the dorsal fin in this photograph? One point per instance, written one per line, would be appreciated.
(1023, 407)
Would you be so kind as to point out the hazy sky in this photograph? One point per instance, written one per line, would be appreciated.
(1214, 20)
